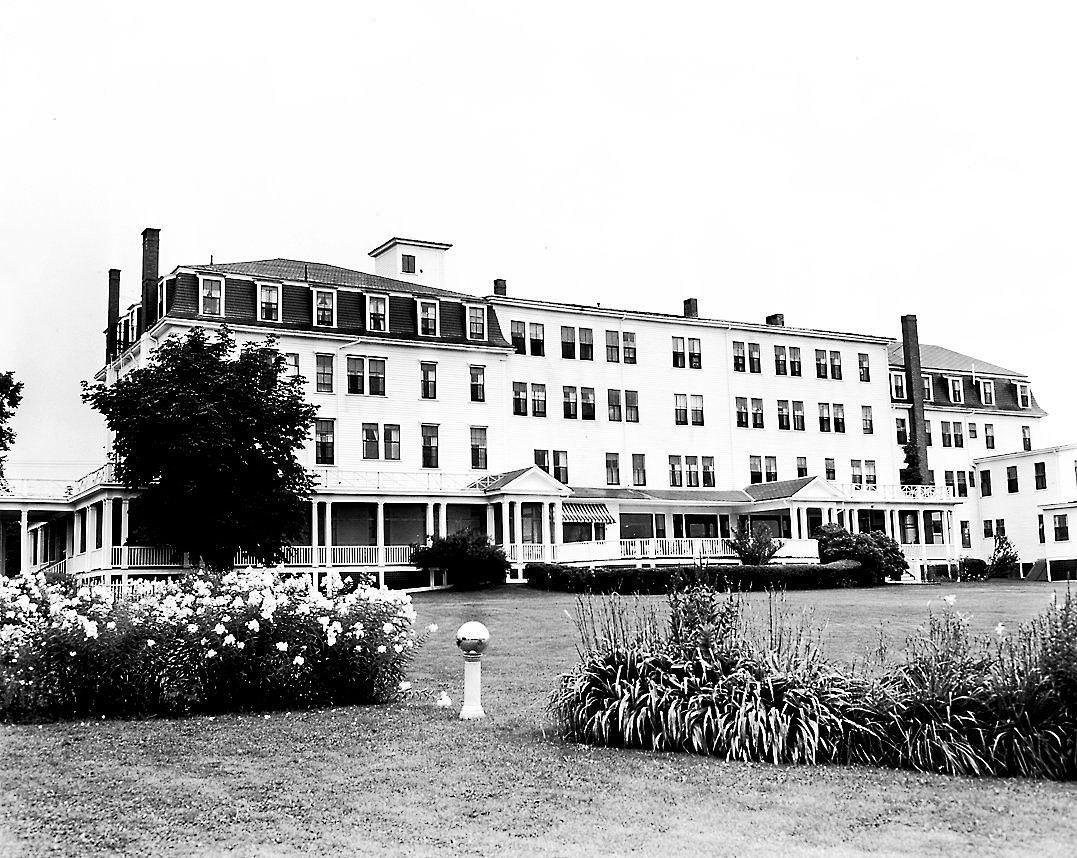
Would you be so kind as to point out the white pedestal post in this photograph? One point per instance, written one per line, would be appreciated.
(472, 638)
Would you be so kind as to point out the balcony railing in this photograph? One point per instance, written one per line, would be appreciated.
(421, 482)
(694, 549)
(896, 493)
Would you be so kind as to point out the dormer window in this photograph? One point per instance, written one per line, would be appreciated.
(1024, 396)
(929, 391)
(376, 307)
(211, 296)
(987, 392)
(325, 308)
(428, 318)
(268, 302)
(407, 263)
(476, 323)
(897, 385)
(160, 299)
(957, 390)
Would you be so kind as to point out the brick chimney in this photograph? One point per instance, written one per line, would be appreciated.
(776, 319)
(501, 287)
(151, 252)
(910, 343)
(691, 308)
(111, 348)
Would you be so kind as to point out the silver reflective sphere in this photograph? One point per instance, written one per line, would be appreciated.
(472, 638)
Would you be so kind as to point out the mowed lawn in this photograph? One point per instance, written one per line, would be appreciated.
(412, 779)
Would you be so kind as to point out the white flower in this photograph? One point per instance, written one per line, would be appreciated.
(1000, 630)
(330, 639)
(210, 653)
(151, 642)
(381, 648)
(219, 628)
(282, 646)
(298, 660)
(398, 647)
(444, 701)
(226, 619)
(388, 628)
(252, 625)
(72, 653)
(228, 640)
(192, 628)
(432, 628)
(110, 625)
(405, 686)
(950, 600)
(324, 621)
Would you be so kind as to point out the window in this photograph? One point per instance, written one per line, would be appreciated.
(708, 472)
(985, 484)
(1011, 480)
(864, 361)
(560, 466)
(613, 401)
(947, 436)
(429, 383)
(1041, 475)
(1062, 528)
(678, 352)
(1040, 530)
(695, 354)
(948, 479)
(632, 406)
(897, 385)
(407, 263)
(857, 468)
(867, 421)
(392, 442)
(356, 371)
(972, 431)
(798, 416)
(325, 308)
(927, 433)
(802, 466)
(538, 339)
(902, 430)
(324, 442)
(839, 417)
(783, 414)
(739, 362)
(757, 413)
(324, 373)
(910, 532)
(370, 441)
(959, 435)
(824, 417)
(675, 477)
(538, 400)
(377, 309)
(691, 471)
(957, 390)
(697, 409)
(162, 294)
(568, 342)
(835, 365)
(375, 368)
(772, 469)
(929, 390)
(1024, 396)
(794, 361)
(478, 448)
(932, 527)
(781, 367)
(476, 323)
(830, 469)
(519, 398)
(1026, 438)
(629, 346)
(820, 364)
(755, 469)
(742, 412)
(542, 459)
(211, 296)
(587, 403)
(518, 336)
(428, 318)
(966, 535)
(1000, 527)
(268, 302)
(754, 363)
(989, 528)
(639, 469)
(478, 383)
(989, 436)
(430, 446)
(291, 360)
(613, 347)
(962, 485)
(587, 344)
(568, 402)
(613, 469)
(987, 392)
(680, 409)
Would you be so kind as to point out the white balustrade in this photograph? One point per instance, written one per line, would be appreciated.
(146, 557)
(397, 555)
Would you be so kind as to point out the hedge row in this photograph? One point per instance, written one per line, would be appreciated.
(662, 579)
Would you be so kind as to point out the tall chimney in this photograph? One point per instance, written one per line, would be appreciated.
(151, 252)
(501, 287)
(113, 314)
(776, 319)
(691, 308)
(910, 343)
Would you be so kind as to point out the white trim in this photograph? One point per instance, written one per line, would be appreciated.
(419, 301)
(202, 278)
(314, 292)
(1025, 389)
(258, 285)
(898, 377)
(367, 297)
(485, 322)
(987, 384)
(960, 389)
(928, 386)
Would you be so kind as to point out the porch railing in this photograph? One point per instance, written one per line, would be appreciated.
(898, 493)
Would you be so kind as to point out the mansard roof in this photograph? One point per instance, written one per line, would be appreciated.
(943, 359)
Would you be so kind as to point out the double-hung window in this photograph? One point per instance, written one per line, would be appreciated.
(478, 383)
(632, 406)
(676, 479)
(629, 346)
(430, 445)
(864, 362)
(377, 312)
(211, 296)
(824, 417)
(783, 414)
(927, 432)
(587, 403)
(708, 472)
(324, 442)
(613, 347)
(568, 342)
(754, 362)
(639, 469)
(802, 466)
(542, 460)
(1041, 475)
(407, 263)
(870, 477)
(268, 302)
(1024, 396)
(947, 435)
(569, 403)
(987, 392)
(781, 365)
(691, 471)
(478, 447)
(162, 299)
(742, 412)
(356, 372)
(587, 344)
(989, 436)
(755, 469)
(560, 466)
(613, 469)
(820, 364)
(519, 398)
(323, 373)
(798, 416)
(695, 354)
(538, 400)
(678, 352)
(985, 484)
(897, 385)
(839, 417)
(518, 335)
(962, 484)
(1062, 528)
(371, 446)
(957, 390)
(959, 435)
(429, 383)
(680, 409)
(835, 365)
(538, 339)
(428, 318)
(929, 389)
(1012, 485)
(476, 323)
(392, 442)
(325, 308)
(697, 409)
(757, 413)
(613, 399)
(291, 360)
(375, 368)
(771, 464)
(902, 428)
(739, 359)
(1026, 438)
(830, 470)
(867, 421)
(795, 367)
(857, 468)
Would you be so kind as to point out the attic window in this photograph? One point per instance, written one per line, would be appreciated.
(376, 312)
(897, 385)
(325, 308)
(987, 392)
(407, 263)
(428, 318)
(211, 296)
(957, 390)
(929, 394)
(1024, 396)
(476, 322)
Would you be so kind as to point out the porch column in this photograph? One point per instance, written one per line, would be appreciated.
(24, 540)
(3, 553)
(891, 520)
(800, 524)
(429, 521)
(922, 525)
(505, 540)
(125, 526)
(558, 535)
(830, 515)
(92, 517)
(948, 540)
(443, 519)
(379, 540)
(328, 533)
(518, 525)
(489, 522)
(314, 532)
(106, 531)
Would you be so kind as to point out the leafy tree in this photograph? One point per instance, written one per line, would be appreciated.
(910, 475)
(208, 436)
(876, 552)
(468, 558)
(10, 397)
(754, 548)
(1004, 559)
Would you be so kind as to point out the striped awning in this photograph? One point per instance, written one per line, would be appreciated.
(586, 513)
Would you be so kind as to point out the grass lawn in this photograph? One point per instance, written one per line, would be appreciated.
(413, 779)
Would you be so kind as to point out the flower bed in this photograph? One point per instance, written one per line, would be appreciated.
(248, 640)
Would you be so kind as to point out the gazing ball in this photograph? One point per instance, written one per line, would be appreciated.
(472, 638)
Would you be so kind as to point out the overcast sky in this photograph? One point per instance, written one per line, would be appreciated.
(840, 163)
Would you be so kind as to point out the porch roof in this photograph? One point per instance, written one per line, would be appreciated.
(780, 489)
(586, 513)
(663, 495)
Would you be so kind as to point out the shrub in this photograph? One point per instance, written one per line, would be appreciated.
(754, 548)
(1005, 561)
(247, 640)
(467, 557)
(880, 555)
(972, 569)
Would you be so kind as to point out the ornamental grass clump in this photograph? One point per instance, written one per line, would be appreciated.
(250, 639)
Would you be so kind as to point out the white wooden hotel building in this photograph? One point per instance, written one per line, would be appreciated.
(565, 432)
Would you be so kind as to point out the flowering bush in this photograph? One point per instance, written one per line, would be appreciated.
(248, 640)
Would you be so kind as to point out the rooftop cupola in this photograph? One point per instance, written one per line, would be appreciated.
(411, 259)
